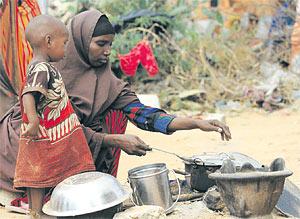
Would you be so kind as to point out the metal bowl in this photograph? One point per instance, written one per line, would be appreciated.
(85, 193)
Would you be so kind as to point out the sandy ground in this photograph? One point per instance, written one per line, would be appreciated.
(260, 135)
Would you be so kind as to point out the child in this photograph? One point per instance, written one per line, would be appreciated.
(52, 144)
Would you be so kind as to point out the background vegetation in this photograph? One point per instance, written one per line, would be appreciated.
(197, 69)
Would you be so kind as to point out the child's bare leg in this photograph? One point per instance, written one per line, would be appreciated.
(29, 198)
(36, 199)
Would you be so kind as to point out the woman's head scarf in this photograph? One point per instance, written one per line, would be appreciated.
(91, 90)
(103, 27)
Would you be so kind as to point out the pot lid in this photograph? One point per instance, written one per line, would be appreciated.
(211, 159)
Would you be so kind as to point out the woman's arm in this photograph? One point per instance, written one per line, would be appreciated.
(131, 144)
(204, 125)
(148, 118)
(157, 120)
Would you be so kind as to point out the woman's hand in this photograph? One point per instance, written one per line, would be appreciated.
(215, 125)
(131, 144)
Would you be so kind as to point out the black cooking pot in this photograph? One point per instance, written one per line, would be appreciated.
(200, 166)
(199, 175)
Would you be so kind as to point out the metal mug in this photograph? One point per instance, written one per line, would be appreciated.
(150, 186)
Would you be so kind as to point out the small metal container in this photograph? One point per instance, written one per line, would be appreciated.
(85, 193)
(150, 185)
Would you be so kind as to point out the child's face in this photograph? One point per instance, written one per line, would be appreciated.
(57, 48)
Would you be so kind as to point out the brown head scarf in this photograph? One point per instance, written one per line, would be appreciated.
(91, 90)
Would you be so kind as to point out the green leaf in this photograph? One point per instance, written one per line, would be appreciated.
(71, 8)
(219, 17)
(142, 4)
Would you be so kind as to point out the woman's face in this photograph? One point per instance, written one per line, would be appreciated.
(99, 50)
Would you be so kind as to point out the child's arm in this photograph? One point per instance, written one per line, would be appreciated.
(30, 109)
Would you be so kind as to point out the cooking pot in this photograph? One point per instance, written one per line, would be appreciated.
(200, 166)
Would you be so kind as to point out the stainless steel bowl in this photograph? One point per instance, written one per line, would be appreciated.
(85, 193)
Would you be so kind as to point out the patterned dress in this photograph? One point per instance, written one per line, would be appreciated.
(60, 149)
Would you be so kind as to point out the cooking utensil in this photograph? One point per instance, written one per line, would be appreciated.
(85, 193)
(184, 158)
(150, 185)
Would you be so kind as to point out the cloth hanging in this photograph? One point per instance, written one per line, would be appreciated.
(23, 14)
(141, 53)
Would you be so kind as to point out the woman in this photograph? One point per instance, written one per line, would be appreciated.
(97, 94)
(102, 102)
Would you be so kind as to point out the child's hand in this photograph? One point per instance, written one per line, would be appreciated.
(31, 131)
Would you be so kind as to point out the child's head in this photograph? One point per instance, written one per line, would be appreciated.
(47, 36)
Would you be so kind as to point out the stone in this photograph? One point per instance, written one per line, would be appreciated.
(247, 167)
(142, 212)
(228, 167)
(212, 199)
(277, 164)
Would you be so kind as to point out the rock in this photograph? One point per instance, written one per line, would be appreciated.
(142, 212)
(212, 199)
(277, 165)
(228, 167)
(247, 167)
(149, 100)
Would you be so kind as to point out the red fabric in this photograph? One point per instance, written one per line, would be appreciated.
(148, 59)
(129, 63)
(46, 165)
(141, 53)
(116, 123)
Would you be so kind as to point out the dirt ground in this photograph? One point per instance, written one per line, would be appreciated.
(258, 134)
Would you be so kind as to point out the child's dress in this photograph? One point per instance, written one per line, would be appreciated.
(60, 149)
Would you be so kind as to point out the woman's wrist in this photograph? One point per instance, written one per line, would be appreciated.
(110, 140)
(183, 124)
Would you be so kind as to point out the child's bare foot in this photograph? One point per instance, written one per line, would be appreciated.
(33, 215)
